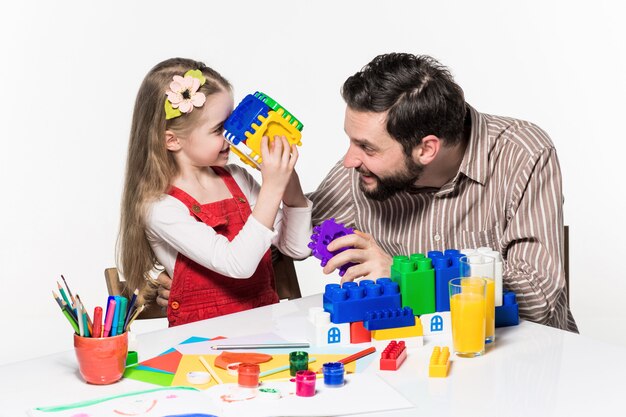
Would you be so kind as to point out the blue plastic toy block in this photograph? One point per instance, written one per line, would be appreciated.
(325, 233)
(352, 301)
(242, 118)
(446, 267)
(508, 313)
(389, 318)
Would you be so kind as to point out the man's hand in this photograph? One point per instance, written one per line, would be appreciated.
(165, 285)
(371, 261)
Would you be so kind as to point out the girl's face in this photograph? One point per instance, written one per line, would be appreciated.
(205, 145)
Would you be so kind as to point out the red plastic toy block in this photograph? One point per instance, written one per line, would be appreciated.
(358, 333)
(393, 356)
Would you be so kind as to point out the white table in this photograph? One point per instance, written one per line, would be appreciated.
(532, 370)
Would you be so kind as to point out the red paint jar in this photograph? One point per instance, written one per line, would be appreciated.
(248, 375)
(305, 383)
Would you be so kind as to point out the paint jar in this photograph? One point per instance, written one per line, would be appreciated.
(248, 375)
(305, 383)
(101, 360)
(333, 374)
(298, 361)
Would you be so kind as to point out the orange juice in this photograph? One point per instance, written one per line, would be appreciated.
(468, 323)
(490, 316)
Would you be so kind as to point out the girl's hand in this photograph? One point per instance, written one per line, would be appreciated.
(279, 160)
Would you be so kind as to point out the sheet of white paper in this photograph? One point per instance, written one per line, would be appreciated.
(362, 393)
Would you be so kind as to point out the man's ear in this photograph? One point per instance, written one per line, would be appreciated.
(427, 150)
(172, 143)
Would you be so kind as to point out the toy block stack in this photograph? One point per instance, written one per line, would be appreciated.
(259, 115)
(418, 287)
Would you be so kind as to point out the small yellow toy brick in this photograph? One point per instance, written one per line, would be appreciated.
(439, 362)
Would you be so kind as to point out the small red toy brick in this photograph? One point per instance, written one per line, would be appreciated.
(393, 356)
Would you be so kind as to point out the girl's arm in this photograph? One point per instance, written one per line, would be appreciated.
(172, 230)
(276, 170)
(293, 222)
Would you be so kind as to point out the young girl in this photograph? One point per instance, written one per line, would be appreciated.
(208, 223)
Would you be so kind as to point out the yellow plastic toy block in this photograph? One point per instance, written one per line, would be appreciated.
(277, 123)
(439, 362)
(399, 332)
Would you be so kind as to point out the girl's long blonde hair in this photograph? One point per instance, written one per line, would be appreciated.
(150, 168)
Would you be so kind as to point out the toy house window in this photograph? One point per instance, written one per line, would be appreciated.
(436, 324)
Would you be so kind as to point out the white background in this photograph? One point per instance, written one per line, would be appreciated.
(70, 71)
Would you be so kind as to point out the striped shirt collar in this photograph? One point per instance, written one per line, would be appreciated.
(475, 164)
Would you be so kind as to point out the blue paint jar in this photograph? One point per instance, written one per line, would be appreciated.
(333, 374)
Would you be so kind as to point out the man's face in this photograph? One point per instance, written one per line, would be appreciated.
(384, 167)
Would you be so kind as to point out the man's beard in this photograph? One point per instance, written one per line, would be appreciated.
(389, 186)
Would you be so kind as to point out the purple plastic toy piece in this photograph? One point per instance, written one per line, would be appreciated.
(322, 235)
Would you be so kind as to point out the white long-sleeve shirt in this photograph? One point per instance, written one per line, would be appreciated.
(170, 229)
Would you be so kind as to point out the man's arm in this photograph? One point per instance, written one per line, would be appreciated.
(334, 199)
(533, 242)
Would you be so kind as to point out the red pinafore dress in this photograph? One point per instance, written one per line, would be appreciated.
(199, 293)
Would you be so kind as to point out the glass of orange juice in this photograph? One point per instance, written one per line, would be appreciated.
(467, 307)
(483, 266)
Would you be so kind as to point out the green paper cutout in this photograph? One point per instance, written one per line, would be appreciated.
(157, 378)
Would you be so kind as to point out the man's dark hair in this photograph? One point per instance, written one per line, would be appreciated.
(419, 93)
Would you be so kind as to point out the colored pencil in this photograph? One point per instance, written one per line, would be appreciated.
(135, 315)
(57, 299)
(67, 312)
(131, 304)
(279, 369)
(89, 322)
(62, 291)
(262, 346)
(69, 292)
(85, 321)
(79, 319)
(357, 355)
(71, 320)
(210, 370)
(97, 322)
(70, 311)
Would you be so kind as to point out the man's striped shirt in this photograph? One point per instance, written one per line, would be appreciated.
(507, 195)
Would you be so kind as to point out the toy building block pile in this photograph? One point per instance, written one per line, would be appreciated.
(259, 115)
(418, 287)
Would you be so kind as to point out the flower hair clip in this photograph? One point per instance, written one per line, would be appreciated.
(183, 94)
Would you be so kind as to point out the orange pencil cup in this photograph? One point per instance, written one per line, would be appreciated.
(101, 360)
